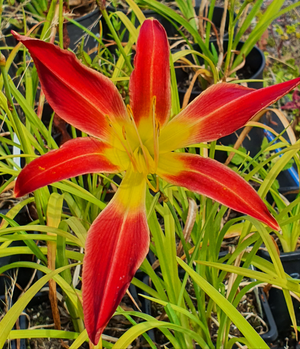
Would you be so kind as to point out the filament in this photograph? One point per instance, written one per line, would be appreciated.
(155, 126)
(151, 186)
(129, 152)
(130, 113)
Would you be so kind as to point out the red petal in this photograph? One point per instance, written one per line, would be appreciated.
(218, 111)
(117, 244)
(74, 158)
(210, 178)
(151, 77)
(79, 95)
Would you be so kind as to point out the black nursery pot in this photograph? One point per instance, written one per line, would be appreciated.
(288, 179)
(291, 265)
(253, 69)
(272, 334)
(90, 21)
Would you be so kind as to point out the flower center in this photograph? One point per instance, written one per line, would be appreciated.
(130, 140)
(141, 159)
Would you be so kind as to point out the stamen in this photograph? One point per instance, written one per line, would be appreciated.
(151, 186)
(155, 126)
(130, 113)
(108, 120)
(157, 183)
(129, 152)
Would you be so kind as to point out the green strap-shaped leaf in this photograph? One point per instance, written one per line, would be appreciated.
(143, 327)
(254, 274)
(44, 333)
(54, 209)
(44, 229)
(254, 339)
(12, 213)
(77, 227)
(14, 312)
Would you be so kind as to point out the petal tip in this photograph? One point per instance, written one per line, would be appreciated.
(17, 194)
(273, 224)
(17, 190)
(16, 35)
(95, 337)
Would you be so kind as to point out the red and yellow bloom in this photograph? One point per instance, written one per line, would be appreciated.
(138, 139)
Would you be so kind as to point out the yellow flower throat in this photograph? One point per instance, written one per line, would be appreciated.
(140, 157)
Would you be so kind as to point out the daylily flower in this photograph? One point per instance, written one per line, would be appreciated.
(138, 139)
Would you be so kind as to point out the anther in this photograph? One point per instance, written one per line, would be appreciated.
(124, 132)
(108, 120)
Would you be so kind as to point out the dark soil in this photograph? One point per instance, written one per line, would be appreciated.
(245, 73)
(183, 85)
(39, 315)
